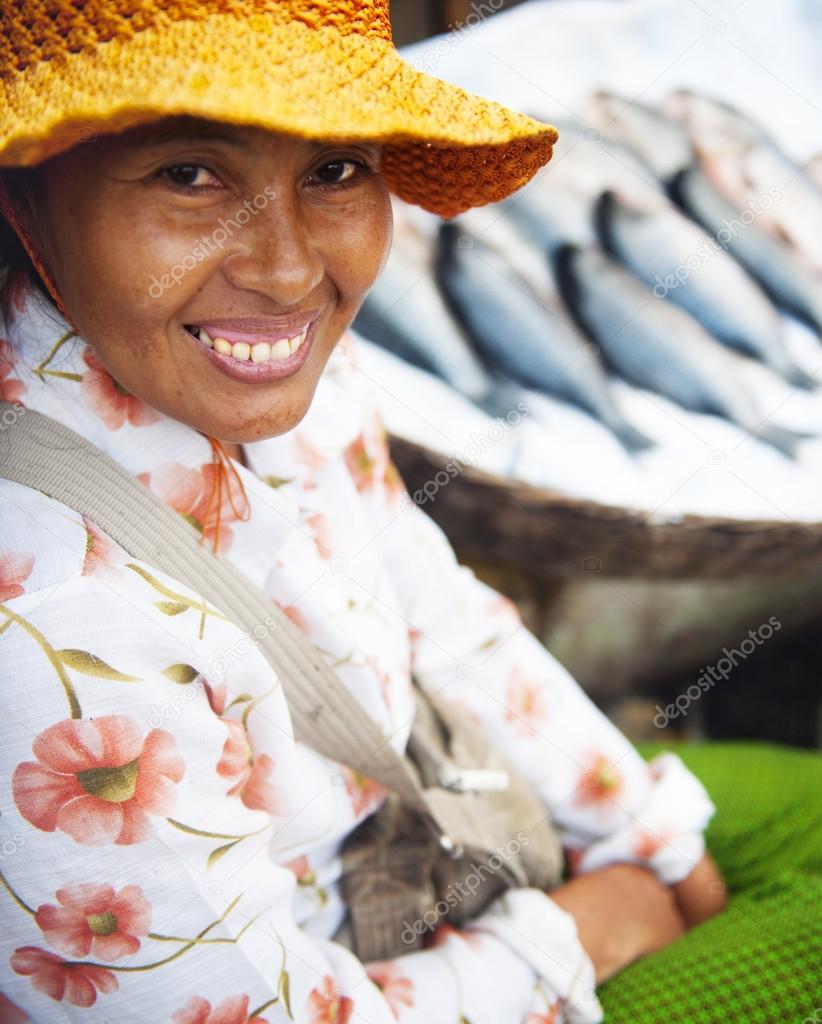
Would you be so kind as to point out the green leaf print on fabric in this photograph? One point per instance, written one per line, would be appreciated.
(52, 657)
(176, 603)
(90, 665)
(181, 673)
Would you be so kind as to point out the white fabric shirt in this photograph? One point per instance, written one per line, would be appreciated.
(169, 851)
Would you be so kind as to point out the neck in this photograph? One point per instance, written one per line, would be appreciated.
(234, 451)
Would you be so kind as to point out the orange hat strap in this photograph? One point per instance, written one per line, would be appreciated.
(10, 213)
(224, 470)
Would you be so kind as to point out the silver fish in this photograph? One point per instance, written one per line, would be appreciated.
(675, 258)
(405, 314)
(522, 338)
(527, 259)
(556, 207)
(784, 274)
(659, 141)
(658, 346)
(749, 169)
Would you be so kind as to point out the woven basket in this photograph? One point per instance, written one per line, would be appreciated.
(550, 535)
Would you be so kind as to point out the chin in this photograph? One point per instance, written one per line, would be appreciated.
(256, 429)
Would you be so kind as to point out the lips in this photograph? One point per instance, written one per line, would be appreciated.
(255, 350)
(256, 341)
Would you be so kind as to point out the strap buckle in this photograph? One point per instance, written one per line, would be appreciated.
(472, 780)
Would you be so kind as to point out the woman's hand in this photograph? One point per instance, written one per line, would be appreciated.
(623, 912)
(701, 894)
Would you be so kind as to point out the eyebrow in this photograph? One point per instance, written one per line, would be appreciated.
(212, 131)
(174, 132)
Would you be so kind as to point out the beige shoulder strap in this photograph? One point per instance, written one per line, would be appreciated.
(39, 452)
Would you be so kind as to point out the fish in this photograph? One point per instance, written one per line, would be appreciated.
(658, 346)
(519, 336)
(788, 278)
(556, 207)
(750, 170)
(653, 136)
(405, 314)
(674, 257)
(439, 418)
(525, 257)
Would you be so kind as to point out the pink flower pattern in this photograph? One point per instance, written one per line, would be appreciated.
(78, 984)
(15, 569)
(526, 701)
(250, 776)
(327, 1006)
(233, 1010)
(365, 793)
(105, 779)
(99, 780)
(190, 492)
(113, 404)
(11, 388)
(103, 557)
(389, 979)
(94, 919)
(600, 783)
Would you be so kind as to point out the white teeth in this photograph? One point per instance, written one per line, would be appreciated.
(261, 352)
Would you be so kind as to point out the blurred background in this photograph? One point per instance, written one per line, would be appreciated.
(417, 19)
(608, 389)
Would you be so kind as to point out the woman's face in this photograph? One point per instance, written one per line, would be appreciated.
(170, 236)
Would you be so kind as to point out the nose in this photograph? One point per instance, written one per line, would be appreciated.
(273, 253)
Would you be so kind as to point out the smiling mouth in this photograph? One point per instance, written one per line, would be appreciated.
(253, 352)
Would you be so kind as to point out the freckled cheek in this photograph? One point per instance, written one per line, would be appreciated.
(160, 272)
(355, 260)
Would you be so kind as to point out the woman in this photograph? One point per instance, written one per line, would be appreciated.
(199, 198)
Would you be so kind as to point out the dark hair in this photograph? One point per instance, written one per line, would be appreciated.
(16, 268)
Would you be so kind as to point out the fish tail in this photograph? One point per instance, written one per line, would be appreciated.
(675, 187)
(800, 379)
(603, 213)
(563, 261)
(632, 439)
(449, 235)
(785, 441)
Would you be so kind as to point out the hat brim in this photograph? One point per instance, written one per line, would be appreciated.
(444, 149)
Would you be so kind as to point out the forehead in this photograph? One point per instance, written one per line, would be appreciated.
(186, 128)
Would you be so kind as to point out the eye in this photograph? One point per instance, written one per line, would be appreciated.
(340, 172)
(184, 176)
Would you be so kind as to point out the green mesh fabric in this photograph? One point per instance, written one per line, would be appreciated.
(760, 961)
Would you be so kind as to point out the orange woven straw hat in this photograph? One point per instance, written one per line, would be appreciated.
(324, 69)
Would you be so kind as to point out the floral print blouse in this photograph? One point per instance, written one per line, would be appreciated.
(168, 851)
